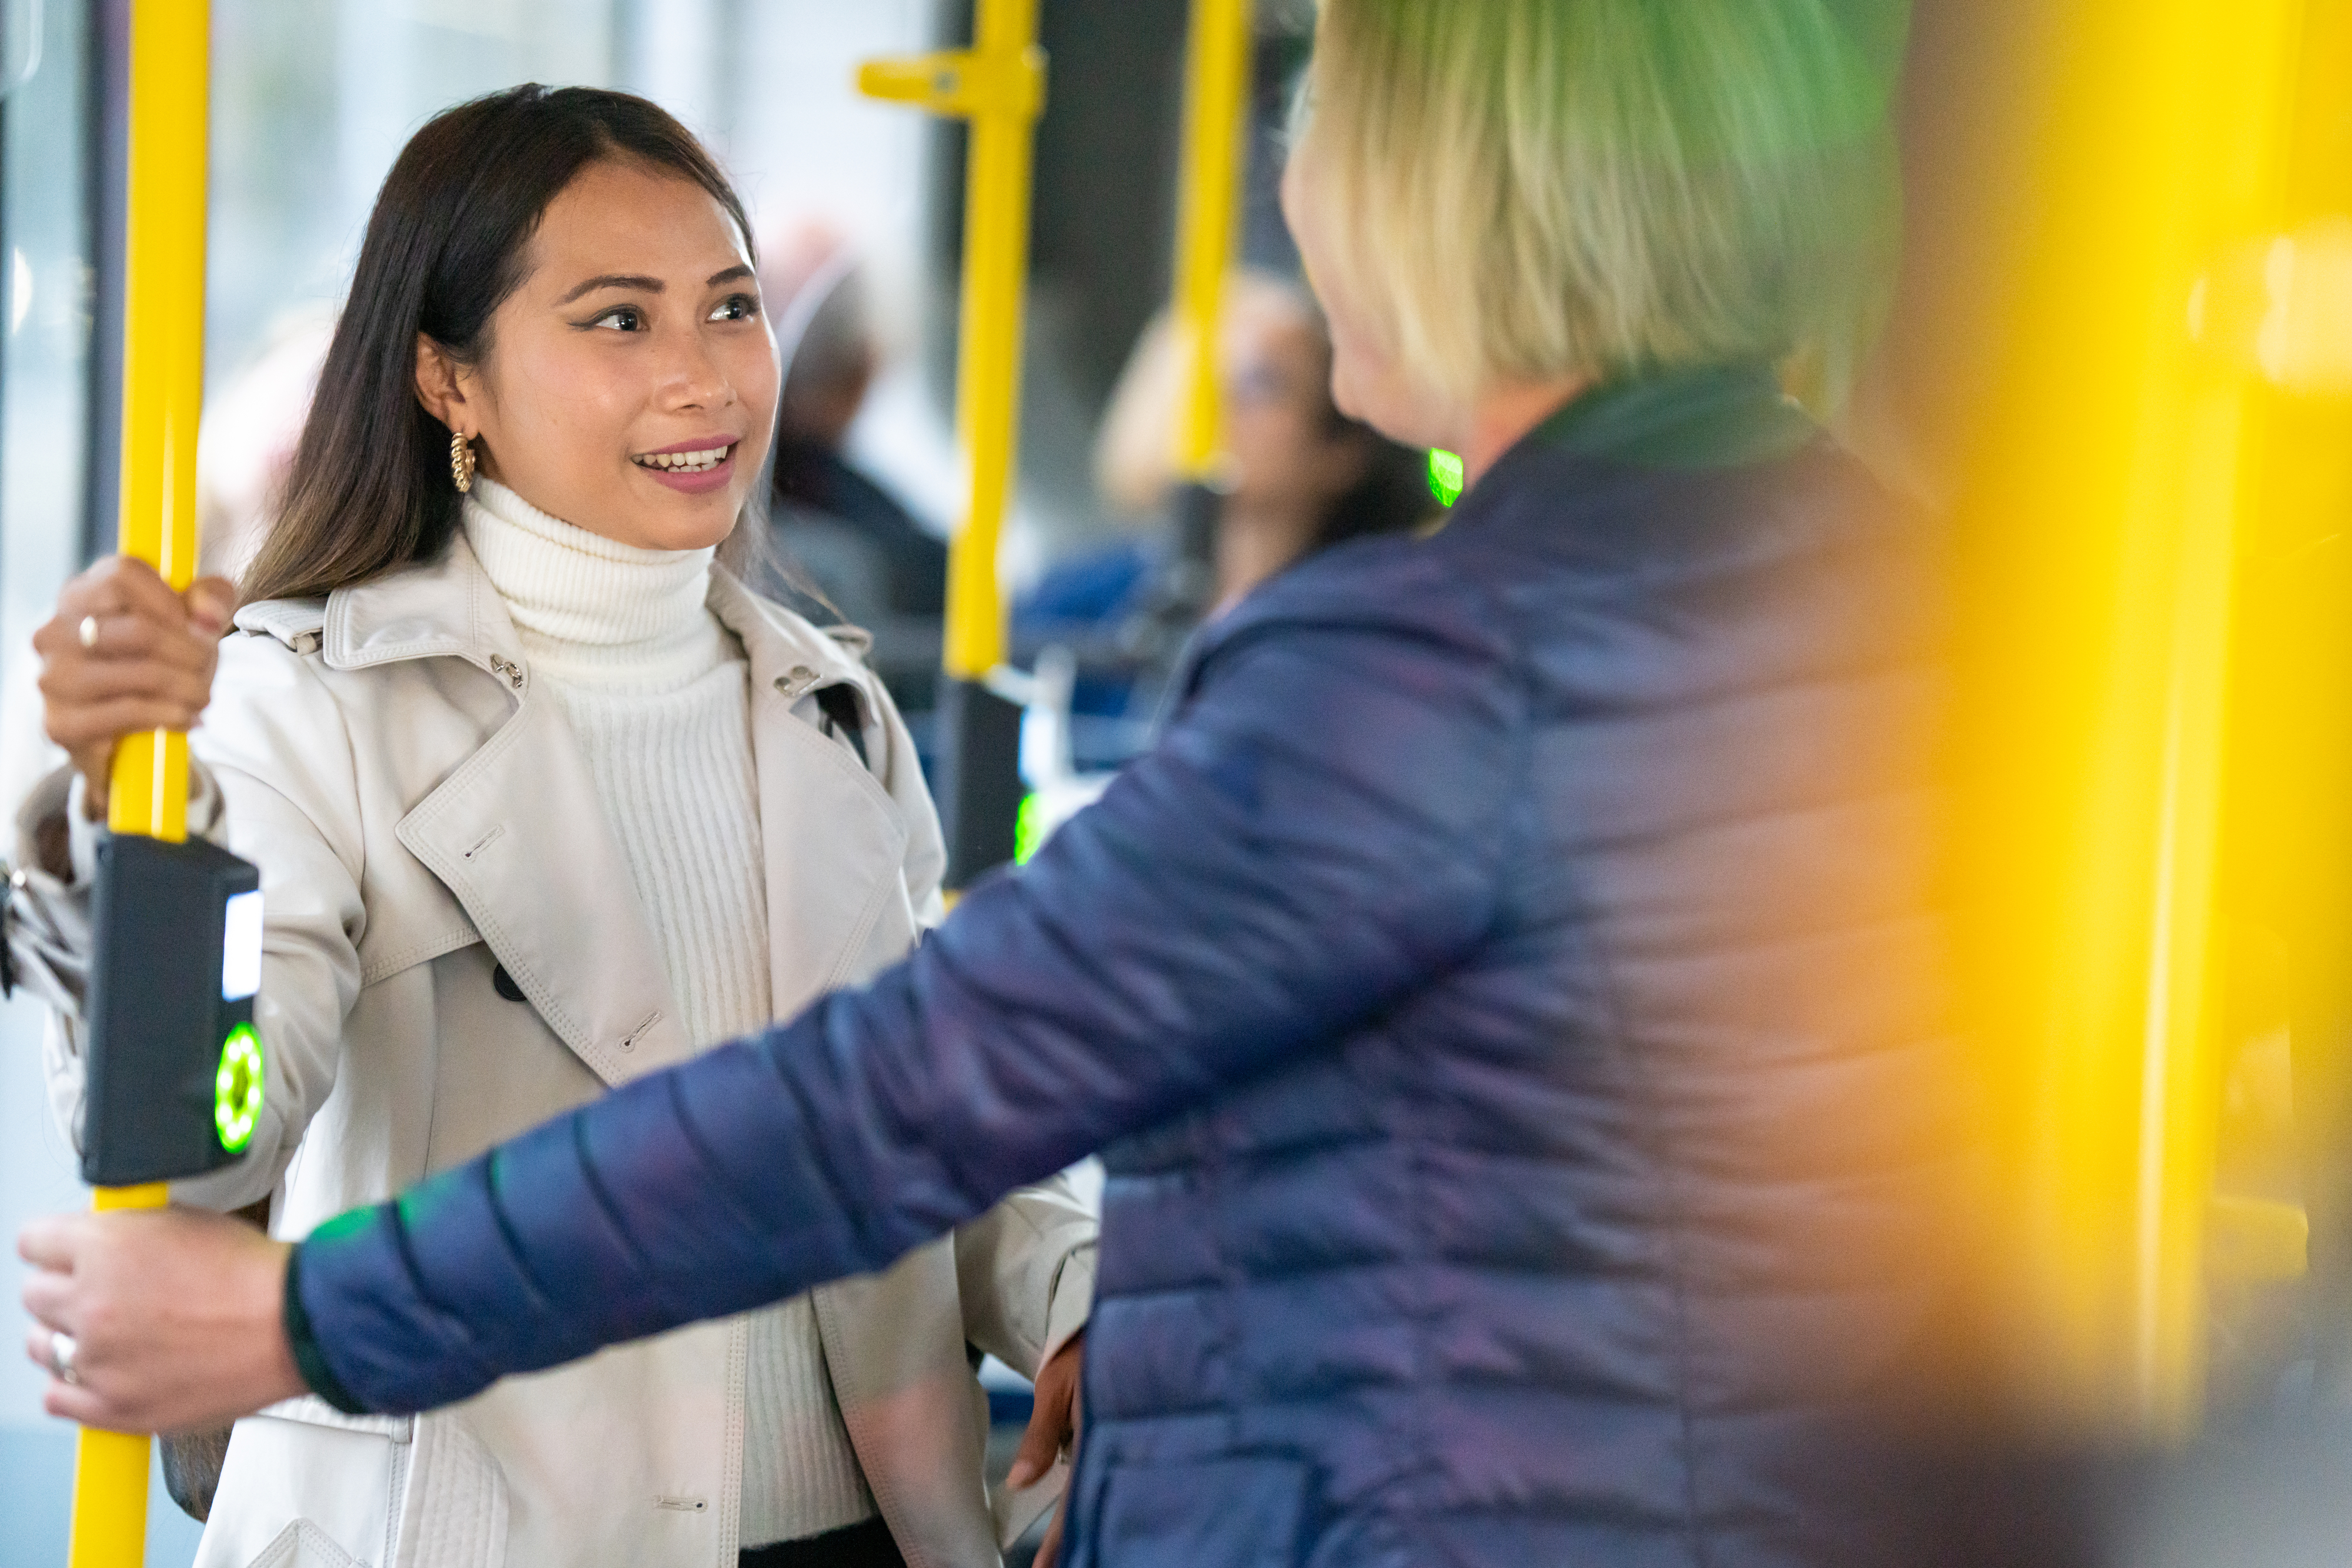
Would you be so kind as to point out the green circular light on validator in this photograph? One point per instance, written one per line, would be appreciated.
(237, 1089)
(1446, 475)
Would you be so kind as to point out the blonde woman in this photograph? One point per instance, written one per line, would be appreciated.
(544, 800)
(1507, 994)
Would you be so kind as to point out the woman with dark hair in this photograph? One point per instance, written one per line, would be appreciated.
(544, 800)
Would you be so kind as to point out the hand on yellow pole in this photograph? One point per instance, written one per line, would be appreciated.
(110, 1512)
(176, 1315)
(123, 657)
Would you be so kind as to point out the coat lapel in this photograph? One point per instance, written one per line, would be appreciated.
(519, 836)
(834, 839)
(516, 831)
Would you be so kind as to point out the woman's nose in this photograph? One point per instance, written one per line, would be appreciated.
(691, 376)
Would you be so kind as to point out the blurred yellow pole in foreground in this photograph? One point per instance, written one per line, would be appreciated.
(2124, 464)
(162, 394)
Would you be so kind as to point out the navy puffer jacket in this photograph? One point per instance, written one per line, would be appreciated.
(1508, 998)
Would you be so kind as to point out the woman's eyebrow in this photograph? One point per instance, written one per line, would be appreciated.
(638, 280)
(614, 280)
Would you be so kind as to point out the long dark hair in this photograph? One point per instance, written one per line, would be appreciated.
(370, 489)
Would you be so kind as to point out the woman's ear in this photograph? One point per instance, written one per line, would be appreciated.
(440, 387)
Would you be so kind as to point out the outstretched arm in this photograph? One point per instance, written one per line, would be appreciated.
(1317, 835)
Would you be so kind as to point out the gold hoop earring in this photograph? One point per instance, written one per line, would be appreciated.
(461, 461)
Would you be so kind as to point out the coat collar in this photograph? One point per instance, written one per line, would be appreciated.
(1705, 416)
(516, 831)
(788, 654)
(449, 608)
(442, 608)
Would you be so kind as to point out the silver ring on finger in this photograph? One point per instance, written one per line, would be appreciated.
(88, 631)
(62, 1350)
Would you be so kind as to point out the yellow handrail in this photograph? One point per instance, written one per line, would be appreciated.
(2115, 484)
(999, 85)
(162, 394)
(1217, 86)
(163, 358)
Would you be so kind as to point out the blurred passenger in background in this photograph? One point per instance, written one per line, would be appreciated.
(1302, 476)
(870, 562)
(492, 588)
(1510, 996)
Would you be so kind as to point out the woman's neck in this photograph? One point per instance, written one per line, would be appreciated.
(1500, 417)
(592, 611)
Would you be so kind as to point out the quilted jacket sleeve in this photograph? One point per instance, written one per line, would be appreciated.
(1026, 1267)
(1321, 832)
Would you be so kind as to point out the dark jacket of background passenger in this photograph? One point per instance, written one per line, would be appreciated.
(1508, 998)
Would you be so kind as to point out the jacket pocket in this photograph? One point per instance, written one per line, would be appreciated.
(302, 1544)
(452, 1513)
(1217, 1513)
(297, 1492)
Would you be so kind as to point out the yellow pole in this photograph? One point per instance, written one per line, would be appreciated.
(163, 392)
(999, 85)
(109, 1506)
(1217, 82)
(2109, 507)
(162, 358)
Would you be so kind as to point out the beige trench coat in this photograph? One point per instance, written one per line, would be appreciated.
(421, 815)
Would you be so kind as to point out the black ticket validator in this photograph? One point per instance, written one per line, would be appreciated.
(175, 1069)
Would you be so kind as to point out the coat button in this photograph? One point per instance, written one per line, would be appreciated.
(504, 984)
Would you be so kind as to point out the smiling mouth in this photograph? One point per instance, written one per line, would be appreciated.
(700, 462)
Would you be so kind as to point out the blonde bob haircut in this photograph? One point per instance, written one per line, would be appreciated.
(1532, 189)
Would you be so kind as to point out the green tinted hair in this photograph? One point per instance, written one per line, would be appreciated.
(1530, 189)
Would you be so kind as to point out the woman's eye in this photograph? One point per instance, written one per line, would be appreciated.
(622, 319)
(736, 307)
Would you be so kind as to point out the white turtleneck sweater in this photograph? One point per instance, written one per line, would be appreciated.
(658, 695)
